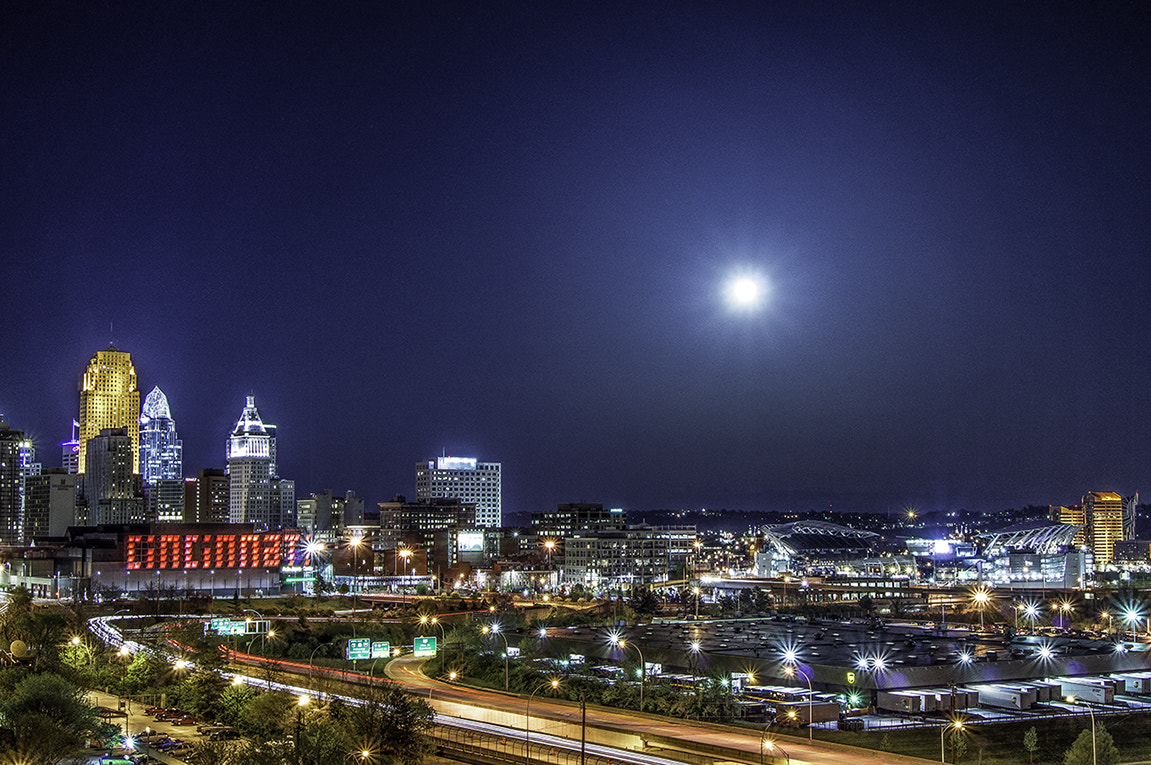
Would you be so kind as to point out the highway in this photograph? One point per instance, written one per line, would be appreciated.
(551, 718)
(620, 735)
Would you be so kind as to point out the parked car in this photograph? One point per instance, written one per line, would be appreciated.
(185, 720)
(225, 735)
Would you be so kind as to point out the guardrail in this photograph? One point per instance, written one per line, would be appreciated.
(478, 747)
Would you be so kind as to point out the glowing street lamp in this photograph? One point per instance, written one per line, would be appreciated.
(767, 745)
(624, 644)
(958, 726)
(981, 598)
(549, 545)
(494, 629)
(1094, 754)
(1032, 612)
(1132, 616)
(553, 684)
(301, 702)
(77, 641)
(404, 553)
(791, 670)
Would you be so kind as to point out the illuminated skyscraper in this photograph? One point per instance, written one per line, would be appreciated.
(11, 485)
(1072, 516)
(109, 399)
(466, 479)
(112, 490)
(1104, 510)
(161, 451)
(250, 471)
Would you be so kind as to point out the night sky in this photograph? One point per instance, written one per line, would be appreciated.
(505, 230)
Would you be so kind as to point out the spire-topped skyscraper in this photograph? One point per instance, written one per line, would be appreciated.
(161, 451)
(109, 398)
(250, 471)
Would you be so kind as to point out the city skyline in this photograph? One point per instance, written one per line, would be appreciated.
(509, 232)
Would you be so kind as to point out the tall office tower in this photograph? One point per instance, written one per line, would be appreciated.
(49, 503)
(466, 479)
(206, 497)
(1072, 516)
(271, 430)
(284, 502)
(1130, 509)
(109, 399)
(250, 471)
(161, 451)
(112, 488)
(166, 500)
(1104, 510)
(12, 448)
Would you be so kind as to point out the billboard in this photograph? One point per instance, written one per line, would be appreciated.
(424, 646)
(456, 463)
(359, 648)
(470, 541)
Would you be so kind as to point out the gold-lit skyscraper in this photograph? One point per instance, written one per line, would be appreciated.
(1104, 510)
(1072, 516)
(109, 398)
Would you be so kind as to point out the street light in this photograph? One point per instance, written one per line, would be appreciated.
(622, 643)
(958, 726)
(77, 641)
(355, 543)
(771, 746)
(1132, 617)
(790, 670)
(404, 553)
(981, 597)
(1032, 611)
(695, 591)
(553, 684)
(1091, 710)
(300, 704)
(495, 630)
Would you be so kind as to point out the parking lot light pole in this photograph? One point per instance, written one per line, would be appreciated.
(791, 670)
(495, 630)
(622, 643)
(958, 726)
(1091, 711)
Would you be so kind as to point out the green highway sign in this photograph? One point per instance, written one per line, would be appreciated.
(424, 646)
(381, 650)
(359, 648)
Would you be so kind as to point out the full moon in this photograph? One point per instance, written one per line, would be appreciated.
(744, 292)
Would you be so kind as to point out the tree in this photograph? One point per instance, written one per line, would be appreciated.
(1081, 752)
(391, 722)
(202, 692)
(958, 746)
(45, 718)
(1031, 743)
(644, 601)
(234, 703)
(264, 715)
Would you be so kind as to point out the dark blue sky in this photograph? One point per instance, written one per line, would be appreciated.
(504, 230)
